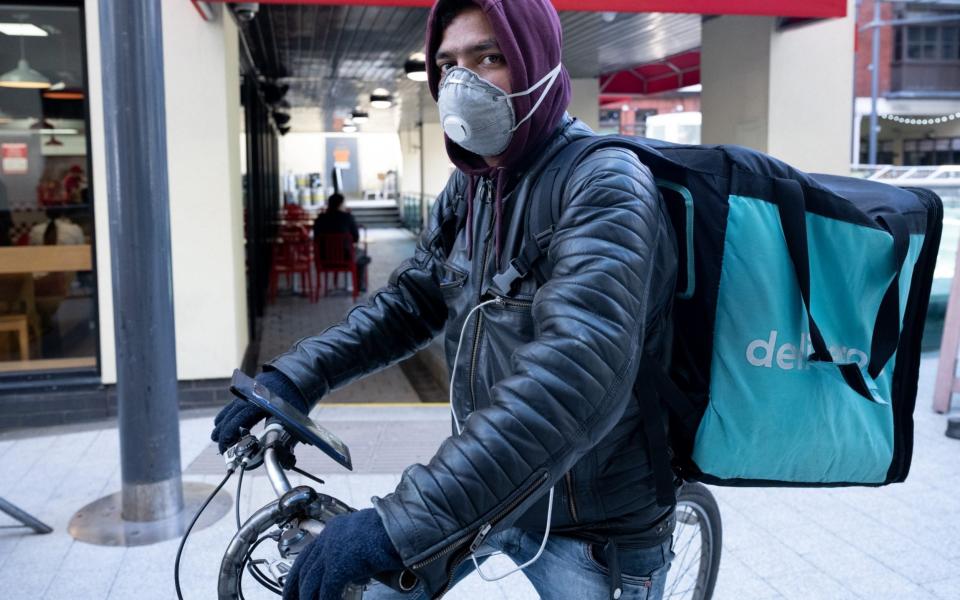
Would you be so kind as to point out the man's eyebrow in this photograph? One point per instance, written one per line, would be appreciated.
(483, 46)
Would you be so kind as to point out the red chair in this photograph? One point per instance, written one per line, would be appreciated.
(294, 212)
(335, 254)
(292, 255)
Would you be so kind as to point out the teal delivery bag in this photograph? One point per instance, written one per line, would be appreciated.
(800, 306)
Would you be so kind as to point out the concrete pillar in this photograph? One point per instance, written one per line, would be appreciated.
(788, 93)
(432, 155)
(585, 101)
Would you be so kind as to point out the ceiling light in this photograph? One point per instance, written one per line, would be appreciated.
(24, 77)
(43, 124)
(416, 69)
(360, 116)
(54, 141)
(54, 95)
(349, 128)
(383, 100)
(24, 29)
(281, 118)
(283, 130)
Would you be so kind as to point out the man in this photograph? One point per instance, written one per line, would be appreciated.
(542, 384)
(337, 220)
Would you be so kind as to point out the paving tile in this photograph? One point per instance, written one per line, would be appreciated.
(945, 589)
(900, 541)
(807, 585)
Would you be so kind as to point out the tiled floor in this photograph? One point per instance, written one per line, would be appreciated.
(899, 542)
(292, 318)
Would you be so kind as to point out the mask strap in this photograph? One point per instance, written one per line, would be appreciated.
(551, 77)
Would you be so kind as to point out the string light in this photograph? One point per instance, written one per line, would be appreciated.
(928, 121)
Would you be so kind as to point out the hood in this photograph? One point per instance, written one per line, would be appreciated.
(531, 39)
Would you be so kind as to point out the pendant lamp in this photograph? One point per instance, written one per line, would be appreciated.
(24, 77)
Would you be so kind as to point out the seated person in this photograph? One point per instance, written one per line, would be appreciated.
(57, 231)
(51, 289)
(337, 220)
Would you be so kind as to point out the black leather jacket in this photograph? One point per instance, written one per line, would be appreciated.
(544, 379)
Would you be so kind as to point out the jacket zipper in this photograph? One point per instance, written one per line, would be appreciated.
(513, 303)
(480, 536)
(477, 329)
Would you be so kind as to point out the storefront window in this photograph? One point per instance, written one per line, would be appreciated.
(48, 303)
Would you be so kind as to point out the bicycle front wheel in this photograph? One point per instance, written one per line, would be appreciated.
(697, 542)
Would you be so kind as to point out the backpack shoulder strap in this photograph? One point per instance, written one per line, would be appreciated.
(545, 202)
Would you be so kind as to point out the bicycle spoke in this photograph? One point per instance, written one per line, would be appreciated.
(689, 531)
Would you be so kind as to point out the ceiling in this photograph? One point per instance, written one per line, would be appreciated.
(334, 56)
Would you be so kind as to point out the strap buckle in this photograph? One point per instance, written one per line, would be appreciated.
(504, 281)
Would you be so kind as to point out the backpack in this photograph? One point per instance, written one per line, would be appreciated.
(797, 319)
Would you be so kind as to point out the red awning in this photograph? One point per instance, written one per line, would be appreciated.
(778, 8)
(671, 73)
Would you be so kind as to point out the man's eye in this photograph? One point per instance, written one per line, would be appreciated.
(444, 67)
(492, 59)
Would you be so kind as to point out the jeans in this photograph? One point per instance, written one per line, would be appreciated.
(568, 568)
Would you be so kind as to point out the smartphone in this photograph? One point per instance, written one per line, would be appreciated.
(298, 424)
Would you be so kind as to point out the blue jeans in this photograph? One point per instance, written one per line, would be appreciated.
(568, 568)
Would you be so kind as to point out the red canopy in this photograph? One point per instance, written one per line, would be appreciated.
(673, 72)
(779, 8)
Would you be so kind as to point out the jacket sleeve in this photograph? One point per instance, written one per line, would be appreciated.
(398, 320)
(568, 387)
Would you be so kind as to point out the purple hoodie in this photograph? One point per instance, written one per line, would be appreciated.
(531, 39)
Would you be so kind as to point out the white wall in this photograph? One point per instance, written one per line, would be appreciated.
(379, 153)
(306, 153)
(585, 101)
(436, 163)
(788, 93)
(303, 153)
(201, 69)
(206, 209)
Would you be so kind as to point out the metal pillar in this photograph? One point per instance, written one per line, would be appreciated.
(874, 83)
(150, 506)
(133, 93)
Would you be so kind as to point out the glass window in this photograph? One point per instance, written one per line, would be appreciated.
(949, 47)
(48, 303)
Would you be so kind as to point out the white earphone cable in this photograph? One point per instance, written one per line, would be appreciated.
(456, 422)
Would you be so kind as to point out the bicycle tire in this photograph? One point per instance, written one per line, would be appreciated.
(696, 508)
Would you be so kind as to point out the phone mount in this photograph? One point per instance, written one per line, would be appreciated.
(297, 424)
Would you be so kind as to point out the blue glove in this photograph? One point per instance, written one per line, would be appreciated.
(352, 548)
(242, 414)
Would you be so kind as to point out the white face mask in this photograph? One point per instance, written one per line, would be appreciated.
(477, 115)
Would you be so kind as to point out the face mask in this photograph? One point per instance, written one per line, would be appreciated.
(477, 115)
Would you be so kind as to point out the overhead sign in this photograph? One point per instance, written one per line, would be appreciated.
(14, 159)
(776, 8)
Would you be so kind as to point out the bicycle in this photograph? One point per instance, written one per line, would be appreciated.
(697, 543)
(299, 513)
